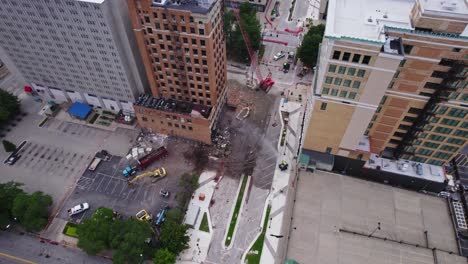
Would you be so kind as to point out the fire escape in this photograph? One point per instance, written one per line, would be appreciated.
(440, 95)
(179, 59)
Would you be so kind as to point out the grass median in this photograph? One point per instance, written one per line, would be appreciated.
(235, 215)
(255, 251)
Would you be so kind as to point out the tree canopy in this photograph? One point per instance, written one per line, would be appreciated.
(8, 146)
(129, 240)
(164, 256)
(9, 106)
(236, 47)
(8, 192)
(174, 236)
(308, 51)
(94, 233)
(32, 210)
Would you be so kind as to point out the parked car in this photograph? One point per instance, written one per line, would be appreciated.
(161, 216)
(12, 159)
(279, 55)
(78, 209)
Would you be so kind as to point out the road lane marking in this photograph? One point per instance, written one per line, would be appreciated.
(17, 258)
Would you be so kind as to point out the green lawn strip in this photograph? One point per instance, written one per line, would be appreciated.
(70, 230)
(204, 223)
(258, 245)
(235, 215)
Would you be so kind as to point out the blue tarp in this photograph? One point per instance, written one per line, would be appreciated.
(79, 110)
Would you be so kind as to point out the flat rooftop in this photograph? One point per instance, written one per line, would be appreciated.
(454, 8)
(365, 19)
(174, 106)
(196, 6)
(405, 167)
(327, 203)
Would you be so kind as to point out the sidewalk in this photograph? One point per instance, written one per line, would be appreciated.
(283, 184)
(200, 240)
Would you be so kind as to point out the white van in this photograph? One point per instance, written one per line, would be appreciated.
(78, 209)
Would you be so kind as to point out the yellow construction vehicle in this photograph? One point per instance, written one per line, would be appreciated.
(160, 172)
(143, 216)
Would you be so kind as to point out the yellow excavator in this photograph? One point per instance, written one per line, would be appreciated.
(160, 172)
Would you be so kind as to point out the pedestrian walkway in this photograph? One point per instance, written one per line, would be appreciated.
(200, 240)
(283, 183)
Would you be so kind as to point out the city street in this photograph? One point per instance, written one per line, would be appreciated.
(21, 249)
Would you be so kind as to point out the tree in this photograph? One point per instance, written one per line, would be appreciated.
(308, 51)
(164, 256)
(236, 47)
(8, 146)
(95, 233)
(32, 210)
(174, 237)
(9, 106)
(128, 240)
(8, 192)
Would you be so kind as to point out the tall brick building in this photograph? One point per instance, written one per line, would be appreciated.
(183, 49)
(391, 80)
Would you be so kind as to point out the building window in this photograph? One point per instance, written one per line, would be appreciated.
(407, 48)
(325, 90)
(334, 92)
(328, 80)
(356, 84)
(323, 106)
(356, 58)
(346, 56)
(144, 119)
(449, 148)
(347, 83)
(431, 145)
(449, 122)
(457, 113)
(366, 60)
(361, 73)
(341, 70)
(343, 94)
(456, 141)
(328, 150)
(338, 81)
(461, 133)
(336, 55)
(352, 95)
(351, 71)
(443, 130)
(442, 110)
(332, 68)
(425, 152)
(436, 138)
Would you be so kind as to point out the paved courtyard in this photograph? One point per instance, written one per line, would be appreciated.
(333, 216)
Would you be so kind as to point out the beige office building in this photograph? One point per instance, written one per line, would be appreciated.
(391, 80)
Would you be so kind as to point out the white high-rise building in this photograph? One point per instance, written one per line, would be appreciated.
(75, 50)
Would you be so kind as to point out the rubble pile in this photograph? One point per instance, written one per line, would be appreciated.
(145, 143)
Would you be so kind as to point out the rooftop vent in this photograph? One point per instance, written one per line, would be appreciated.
(370, 20)
(449, 5)
(385, 15)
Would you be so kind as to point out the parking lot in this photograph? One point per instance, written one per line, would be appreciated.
(107, 187)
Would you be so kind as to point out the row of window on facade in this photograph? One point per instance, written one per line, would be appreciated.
(353, 57)
(170, 124)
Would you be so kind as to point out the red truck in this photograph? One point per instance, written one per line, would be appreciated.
(152, 157)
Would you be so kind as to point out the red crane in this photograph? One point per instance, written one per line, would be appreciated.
(265, 84)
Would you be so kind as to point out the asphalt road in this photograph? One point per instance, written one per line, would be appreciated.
(20, 249)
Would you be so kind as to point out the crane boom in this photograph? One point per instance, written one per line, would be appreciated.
(265, 84)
